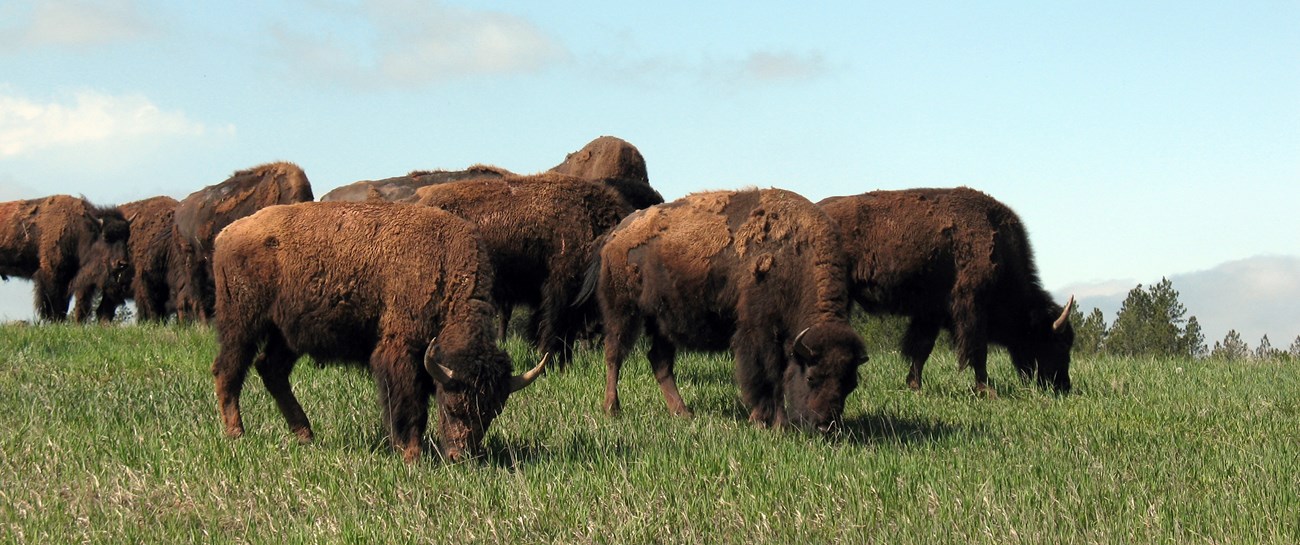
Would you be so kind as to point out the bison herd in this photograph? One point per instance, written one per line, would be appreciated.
(417, 276)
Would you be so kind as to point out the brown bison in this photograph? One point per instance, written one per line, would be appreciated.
(616, 162)
(541, 233)
(960, 260)
(49, 240)
(757, 271)
(402, 188)
(148, 274)
(204, 213)
(381, 283)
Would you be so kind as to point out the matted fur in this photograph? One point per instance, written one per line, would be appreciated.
(204, 213)
(364, 282)
(541, 233)
(49, 240)
(402, 188)
(746, 270)
(954, 259)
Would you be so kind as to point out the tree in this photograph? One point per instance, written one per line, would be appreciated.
(1294, 351)
(1089, 332)
(1150, 323)
(1232, 347)
(1265, 349)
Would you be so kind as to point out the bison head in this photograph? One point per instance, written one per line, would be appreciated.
(1053, 353)
(822, 373)
(473, 385)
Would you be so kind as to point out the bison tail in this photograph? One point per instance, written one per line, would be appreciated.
(592, 274)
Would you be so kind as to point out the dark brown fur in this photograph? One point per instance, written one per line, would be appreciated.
(49, 240)
(402, 188)
(366, 282)
(745, 270)
(616, 162)
(146, 277)
(204, 213)
(954, 259)
(540, 232)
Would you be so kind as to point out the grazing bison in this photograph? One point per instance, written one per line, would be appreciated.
(49, 240)
(960, 260)
(541, 233)
(616, 162)
(380, 283)
(147, 276)
(402, 188)
(204, 213)
(757, 271)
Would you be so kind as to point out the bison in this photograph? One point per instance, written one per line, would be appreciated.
(960, 260)
(381, 283)
(617, 163)
(758, 271)
(402, 188)
(204, 213)
(541, 233)
(49, 240)
(147, 278)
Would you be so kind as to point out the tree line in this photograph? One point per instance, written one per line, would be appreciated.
(1151, 322)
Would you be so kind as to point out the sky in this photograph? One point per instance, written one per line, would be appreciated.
(1136, 140)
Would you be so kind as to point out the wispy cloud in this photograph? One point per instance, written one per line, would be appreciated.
(757, 68)
(413, 43)
(28, 125)
(70, 23)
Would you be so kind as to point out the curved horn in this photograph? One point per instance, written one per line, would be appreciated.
(440, 373)
(522, 381)
(1065, 315)
(800, 349)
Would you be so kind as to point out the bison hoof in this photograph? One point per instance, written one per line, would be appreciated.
(613, 409)
(304, 435)
(235, 432)
(914, 384)
(985, 391)
(684, 413)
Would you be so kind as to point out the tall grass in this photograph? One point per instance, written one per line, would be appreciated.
(110, 434)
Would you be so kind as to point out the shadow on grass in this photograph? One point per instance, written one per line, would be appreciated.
(888, 428)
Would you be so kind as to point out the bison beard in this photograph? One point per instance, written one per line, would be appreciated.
(759, 271)
(955, 259)
(371, 283)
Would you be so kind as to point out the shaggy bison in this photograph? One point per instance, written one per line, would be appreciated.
(540, 232)
(955, 259)
(204, 213)
(402, 188)
(148, 273)
(381, 283)
(758, 271)
(49, 240)
(617, 163)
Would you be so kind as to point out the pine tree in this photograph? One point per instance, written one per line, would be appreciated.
(1193, 341)
(1150, 322)
(1294, 351)
(1232, 348)
(1265, 349)
(1089, 332)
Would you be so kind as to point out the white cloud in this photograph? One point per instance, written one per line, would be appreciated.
(413, 43)
(89, 116)
(764, 66)
(70, 23)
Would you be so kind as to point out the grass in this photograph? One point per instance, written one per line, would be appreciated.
(110, 434)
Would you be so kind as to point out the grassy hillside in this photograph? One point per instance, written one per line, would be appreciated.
(110, 434)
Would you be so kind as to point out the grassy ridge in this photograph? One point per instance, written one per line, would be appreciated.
(110, 434)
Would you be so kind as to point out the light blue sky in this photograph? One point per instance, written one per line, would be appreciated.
(1136, 139)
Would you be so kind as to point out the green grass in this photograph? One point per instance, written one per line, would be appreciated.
(110, 434)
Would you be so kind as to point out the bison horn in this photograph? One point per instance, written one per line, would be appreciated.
(1065, 315)
(522, 381)
(800, 349)
(440, 373)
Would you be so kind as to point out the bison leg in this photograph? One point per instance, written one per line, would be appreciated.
(918, 343)
(972, 342)
(274, 365)
(228, 372)
(1024, 362)
(759, 367)
(51, 295)
(403, 398)
(620, 335)
(506, 310)
(85, 296)
(662, 357)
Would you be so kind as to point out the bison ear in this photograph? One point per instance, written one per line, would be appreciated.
(433, 364)
(802, 353)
